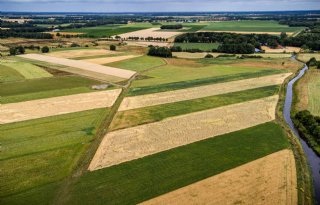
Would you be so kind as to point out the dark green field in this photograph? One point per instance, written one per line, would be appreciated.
(134, 117)
(201, 46)
(138, 180)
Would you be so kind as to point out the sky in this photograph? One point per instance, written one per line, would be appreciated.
(156, 5)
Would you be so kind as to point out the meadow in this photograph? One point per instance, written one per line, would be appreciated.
(201, 46)
(37, 154)
(142, 179)
(250, 26)
(313, 93)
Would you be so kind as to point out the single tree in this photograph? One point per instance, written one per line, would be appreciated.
(45, 49)
(113, 48)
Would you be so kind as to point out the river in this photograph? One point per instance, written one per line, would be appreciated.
(313, 159)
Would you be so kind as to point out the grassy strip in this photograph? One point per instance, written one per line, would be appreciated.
(29, 71)
(42, 151)
(98, 56)
(8, 74)
(198, 82)
(142, 179)
(130, 118)
(49, 87)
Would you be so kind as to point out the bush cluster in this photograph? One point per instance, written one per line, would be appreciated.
(160, 51)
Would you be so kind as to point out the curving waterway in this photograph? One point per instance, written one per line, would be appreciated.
(313, 159)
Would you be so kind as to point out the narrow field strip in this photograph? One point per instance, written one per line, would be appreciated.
(106, 70)
(268, 180)
(137, 142)
(106, 60)
(150, 32)
(200, 92)
(27, 70)
(80, 53)
(28, 110)
(142, 179)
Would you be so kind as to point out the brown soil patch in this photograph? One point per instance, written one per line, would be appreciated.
(34, 109)
(200, 92)
(86, 66)
(268, 180)
(81, 53)
(281, 50)
(106, 60)
(137, 142)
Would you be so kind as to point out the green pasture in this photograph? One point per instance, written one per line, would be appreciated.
(27, 70)
(201, 46)
(134, 117)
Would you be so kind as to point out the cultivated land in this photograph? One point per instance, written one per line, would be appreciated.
(150, 32)
(167, 171)
(305, 57)
(91, 67)
(251, 26)
(202, 55)
(106, 60)
(314, 93)
(201, 46)
(268, 180)
(28, 110)
(37, 154)
(81, 53)
(200, 92)
(133, 143)
(287, 49)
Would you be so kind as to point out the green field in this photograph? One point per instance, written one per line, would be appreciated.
(110, 30)
(138, 180)
(8, 74)
(27, 70)
(138, 64)
(201, 46)
(134, 117)
(44, 88)
(314, 93)
(36, 154)
(250, 26)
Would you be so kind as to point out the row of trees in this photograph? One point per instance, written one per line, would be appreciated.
(313, 63)
(21, 50)
(160, 51)
(309, 128)
(179, 26)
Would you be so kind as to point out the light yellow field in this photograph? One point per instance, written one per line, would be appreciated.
(150, 32)
(314, 92)
(104, 70)
(81, 53)
(268, 180)
(28, 110)
(199, 92)
(247, 32)
(136, 142)
(305, 57)
(281, 50)
(106, 60)
(147, 43)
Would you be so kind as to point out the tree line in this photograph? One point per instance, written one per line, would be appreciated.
(160, 51)
(179, 26)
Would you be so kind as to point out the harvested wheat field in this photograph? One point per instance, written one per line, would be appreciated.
(200, 92)
(150, 32)
(106, 60)
(34, 109)
(287, 49)
(268, 180)
(81, 53)
(136, 142)
(248, 32)
(106, 70)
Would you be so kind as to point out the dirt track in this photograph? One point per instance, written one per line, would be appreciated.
(268, 180)
(200, 92)
(106, 70)
(136, 142)
(106, 60)
(34, 109)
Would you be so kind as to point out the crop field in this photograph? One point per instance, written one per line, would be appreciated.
(314, 93)
(91, 67)
(44, 88)
(168, 171)
(8, 74)
(22, 111)
(76, 53)
(256, 182)
(251, 26)
(150, 32)
(200, 92)
(37, 154)
(139, 64)
(201, 46)
(305, 57)
(287, 49)
(27, 70)
(110, 30)
(137, 142)
(106, 60)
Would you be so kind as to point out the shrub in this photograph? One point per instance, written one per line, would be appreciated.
(74, 45)
(13, 51)
(45, 49)
(208, 56)
(113, 48)
(176, 49)
(179, 26)
(160, 51)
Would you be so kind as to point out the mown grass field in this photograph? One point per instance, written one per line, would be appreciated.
(142, 179)
(8, 74)
(138, 64)
(314, 93)
(201, 46)
(130, 118)
(250, 26)
(44, 88)
(305, 57)
(36, 154)
(27, 70)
